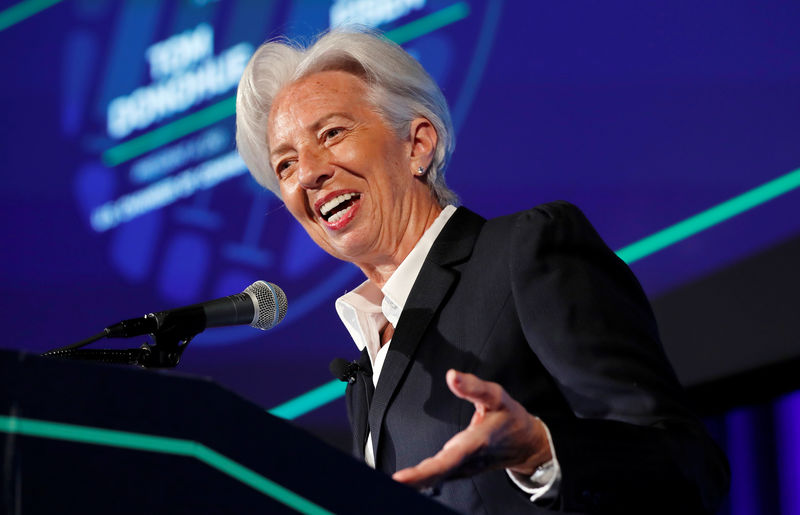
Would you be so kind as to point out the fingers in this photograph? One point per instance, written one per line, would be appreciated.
(446, 463)
(471, 388)
(501, 434)
(429, 472)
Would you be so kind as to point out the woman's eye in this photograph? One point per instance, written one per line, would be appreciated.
(283, 166)
(332, 133)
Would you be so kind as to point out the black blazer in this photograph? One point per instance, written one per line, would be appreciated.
(538, 303)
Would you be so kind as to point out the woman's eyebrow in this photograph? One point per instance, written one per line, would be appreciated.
(315, 126)
(326, 118)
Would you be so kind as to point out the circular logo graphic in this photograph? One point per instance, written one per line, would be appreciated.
(162, 183)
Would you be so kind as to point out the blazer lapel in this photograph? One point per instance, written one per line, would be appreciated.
(454, 244)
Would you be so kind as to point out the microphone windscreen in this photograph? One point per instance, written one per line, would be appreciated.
(270, 303)
(339, 369)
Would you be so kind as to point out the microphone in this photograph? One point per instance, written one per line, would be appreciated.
(346, 371)
(261, 305)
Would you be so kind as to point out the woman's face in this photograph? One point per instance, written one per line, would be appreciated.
(343, 172)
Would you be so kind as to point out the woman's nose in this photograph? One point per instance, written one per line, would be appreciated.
(314, 170)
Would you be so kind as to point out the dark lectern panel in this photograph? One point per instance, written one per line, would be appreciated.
(45, 473)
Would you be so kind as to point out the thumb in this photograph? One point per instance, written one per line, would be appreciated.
(476, 390)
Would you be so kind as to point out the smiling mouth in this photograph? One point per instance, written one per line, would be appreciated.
(335, 209)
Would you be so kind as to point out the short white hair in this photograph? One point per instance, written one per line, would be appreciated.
(398, 87)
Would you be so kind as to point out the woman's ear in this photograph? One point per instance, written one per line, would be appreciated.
(423, 139)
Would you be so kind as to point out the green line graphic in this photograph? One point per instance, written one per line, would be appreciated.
(310, 401)
(710, 217)
(170, 132)
(630, 253)
(162, 444)
(210, 115)
(429, 23)
(23, 10)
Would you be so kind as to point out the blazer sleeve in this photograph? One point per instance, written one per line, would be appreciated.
(632, 444)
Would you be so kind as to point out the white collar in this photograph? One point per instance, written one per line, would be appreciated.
(365, 310)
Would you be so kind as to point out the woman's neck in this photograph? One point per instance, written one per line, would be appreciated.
(381, 269)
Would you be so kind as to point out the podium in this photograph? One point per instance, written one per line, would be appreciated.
(80, 437)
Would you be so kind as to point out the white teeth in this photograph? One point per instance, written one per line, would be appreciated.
(329, 205)
(336, 216)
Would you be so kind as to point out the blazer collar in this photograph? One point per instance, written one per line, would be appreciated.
(435, 280)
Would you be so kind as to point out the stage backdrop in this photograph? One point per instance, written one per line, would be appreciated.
(674, 126)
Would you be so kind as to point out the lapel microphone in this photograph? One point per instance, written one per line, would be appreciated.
(347, 371)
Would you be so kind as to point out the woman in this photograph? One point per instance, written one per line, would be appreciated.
(537, 315)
